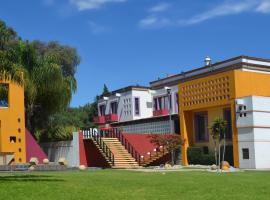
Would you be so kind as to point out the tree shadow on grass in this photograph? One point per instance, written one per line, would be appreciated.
(29, 178)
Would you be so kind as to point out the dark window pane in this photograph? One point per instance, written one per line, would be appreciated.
(114, 107)
(245, 153)
(228, 118)
(3, 95)
(102, 110)
(201, 124)
(137, 106)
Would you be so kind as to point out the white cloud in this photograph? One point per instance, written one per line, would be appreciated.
(92, 4)
(264, 7)
(154, 22)
(161, 7)
(224, 9)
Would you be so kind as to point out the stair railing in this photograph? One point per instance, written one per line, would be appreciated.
(115, 133)
(97, 137)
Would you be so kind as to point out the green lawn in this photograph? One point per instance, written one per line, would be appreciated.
(114, 184)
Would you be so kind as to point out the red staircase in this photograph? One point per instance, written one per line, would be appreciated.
(120, 150)
(139, 146)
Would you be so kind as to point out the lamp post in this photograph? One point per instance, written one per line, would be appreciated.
(168, 89)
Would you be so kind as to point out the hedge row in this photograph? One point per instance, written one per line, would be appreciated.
(197, 157)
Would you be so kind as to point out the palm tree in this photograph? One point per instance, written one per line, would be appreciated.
(217, 131)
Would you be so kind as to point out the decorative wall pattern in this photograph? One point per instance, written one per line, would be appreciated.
(205, 91)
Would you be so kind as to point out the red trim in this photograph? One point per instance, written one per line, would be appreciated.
(161, 112)
(111, 118)
(106, 129)
(83, 160)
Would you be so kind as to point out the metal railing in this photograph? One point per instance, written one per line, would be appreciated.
(116, 133)
(88, 134)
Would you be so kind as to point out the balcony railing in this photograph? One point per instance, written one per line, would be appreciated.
(111, 118)
(99, 120)
(161, 112)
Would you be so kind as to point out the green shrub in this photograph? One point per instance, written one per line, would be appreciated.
(194, 155)
(197, 157)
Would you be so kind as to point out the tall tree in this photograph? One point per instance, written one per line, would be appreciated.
(47, 71)
(105, 90)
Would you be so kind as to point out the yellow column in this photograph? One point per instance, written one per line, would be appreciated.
(184, 137)
(234, 136)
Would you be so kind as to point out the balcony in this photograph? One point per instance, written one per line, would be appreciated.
(111, 118)
(99, 120)
(161, 112)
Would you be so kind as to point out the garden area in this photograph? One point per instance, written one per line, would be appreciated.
(121, 184)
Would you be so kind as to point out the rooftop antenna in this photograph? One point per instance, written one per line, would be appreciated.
(207, 61)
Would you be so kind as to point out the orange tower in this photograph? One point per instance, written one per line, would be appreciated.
(12, 124)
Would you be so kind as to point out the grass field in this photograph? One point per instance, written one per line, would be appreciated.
(114, 184)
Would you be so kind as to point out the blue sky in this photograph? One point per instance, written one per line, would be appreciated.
(126, 42)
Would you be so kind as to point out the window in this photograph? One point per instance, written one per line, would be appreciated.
(3, 95)
(245, 153)
(102, 110)
(155, 104)
(114, 107)
(228, 118)
(176, 102)
(162, 102)
(137, 105)
(201, 126)
(12, 139)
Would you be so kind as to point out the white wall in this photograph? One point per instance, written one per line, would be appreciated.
(163, 92)
(145, 98)
(126, 108)
(246, 140)
(254, 131)
(66, 149)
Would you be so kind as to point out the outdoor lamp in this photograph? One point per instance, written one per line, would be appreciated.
(168, 89)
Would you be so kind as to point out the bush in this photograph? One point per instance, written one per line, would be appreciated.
(197, 157)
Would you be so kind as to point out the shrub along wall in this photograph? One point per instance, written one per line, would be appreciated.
(196, 156)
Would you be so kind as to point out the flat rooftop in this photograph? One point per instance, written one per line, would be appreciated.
(232, 63)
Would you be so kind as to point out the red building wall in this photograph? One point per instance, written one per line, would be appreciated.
(141, 142)
(90, 155)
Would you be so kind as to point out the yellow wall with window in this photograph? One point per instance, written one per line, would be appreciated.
(12, 124)
(213, 93)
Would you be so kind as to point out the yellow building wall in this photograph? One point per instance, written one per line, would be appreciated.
(251, 83)
(211, 91)
(212, 113)
(12, 124)
(212, 94)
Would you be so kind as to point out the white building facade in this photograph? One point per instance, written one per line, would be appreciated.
(253, 124)
(139, 109)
